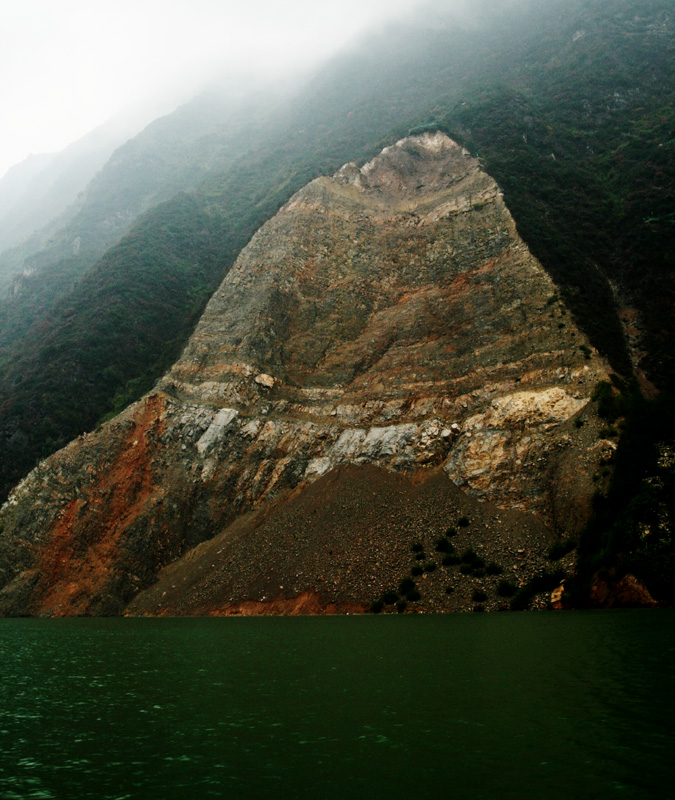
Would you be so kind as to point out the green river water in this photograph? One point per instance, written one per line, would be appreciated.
(514, 705)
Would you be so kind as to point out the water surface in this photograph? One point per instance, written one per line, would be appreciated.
(530, 705)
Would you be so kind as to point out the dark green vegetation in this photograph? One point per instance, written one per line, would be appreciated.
(102, 355)
(561, 548)
(470, 567)
(407, 592)
(472, 564)
(506, 588)
(569, 104)
(581, 142)
(635, 517)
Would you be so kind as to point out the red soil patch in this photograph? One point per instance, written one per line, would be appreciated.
(81, 547)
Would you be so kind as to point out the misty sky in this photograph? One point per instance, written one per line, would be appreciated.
(66, 66)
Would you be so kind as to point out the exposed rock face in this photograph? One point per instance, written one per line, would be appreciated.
(626, 592)
(388, 316)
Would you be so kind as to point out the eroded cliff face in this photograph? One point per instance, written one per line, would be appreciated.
(388, 316)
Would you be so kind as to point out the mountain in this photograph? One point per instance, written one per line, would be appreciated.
(169, 155)
(390, 316)
(569, 105)
(41, 188)
(66, 303)
(16, 180)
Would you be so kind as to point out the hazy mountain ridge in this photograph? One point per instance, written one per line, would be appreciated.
(35, 192)
(170, 155)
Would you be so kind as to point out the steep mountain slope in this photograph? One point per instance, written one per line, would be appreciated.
(389, 316)
(64, 318)
(571, 106)
(582, 142)
(558, 98)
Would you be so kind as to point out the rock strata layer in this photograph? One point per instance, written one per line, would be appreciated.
(388, 316)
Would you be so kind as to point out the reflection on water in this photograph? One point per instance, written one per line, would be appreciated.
(531, 705)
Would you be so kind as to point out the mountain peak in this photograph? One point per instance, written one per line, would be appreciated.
(387, 317)
(415, 165)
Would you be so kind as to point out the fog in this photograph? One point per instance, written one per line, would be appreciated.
(67, 67)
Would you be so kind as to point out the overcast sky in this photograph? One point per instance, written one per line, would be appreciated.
(66, 66)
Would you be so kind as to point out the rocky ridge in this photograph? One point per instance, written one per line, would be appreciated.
(389, 316)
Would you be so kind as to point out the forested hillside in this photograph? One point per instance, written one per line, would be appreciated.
(172, 154)
(570, 106)
(35, 192)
